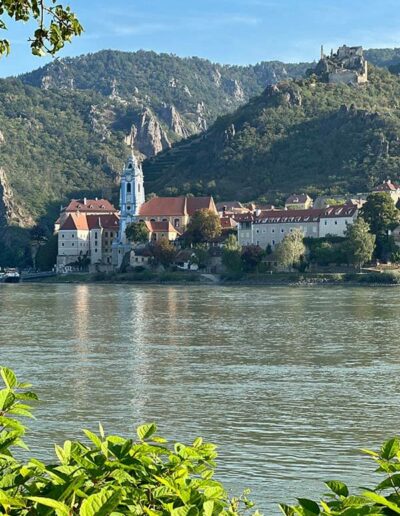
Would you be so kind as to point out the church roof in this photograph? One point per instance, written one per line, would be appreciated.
(75, 222)
(175, 206)
(90, 205)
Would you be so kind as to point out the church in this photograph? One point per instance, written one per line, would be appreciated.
(172, 212)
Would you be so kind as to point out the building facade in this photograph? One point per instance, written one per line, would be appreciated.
(269, 228)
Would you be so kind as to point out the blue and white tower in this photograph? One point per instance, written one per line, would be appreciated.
(131, 199)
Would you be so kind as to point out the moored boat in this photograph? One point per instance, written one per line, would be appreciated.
(11, 276)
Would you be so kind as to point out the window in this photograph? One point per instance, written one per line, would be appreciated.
(273, 230)
(273, 242)
(73, 236)
(176, 223)
(282, 230)
(335, 222)
(106, 234)
(326, 223)
(129, 188)
(165, 220)
(73, 244)
(95, 235)
(128, 208)
(62, 235)
(62, 244)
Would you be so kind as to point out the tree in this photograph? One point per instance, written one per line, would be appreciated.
(251, 257)
(164, 252)
(202, 256)
(56, 24)
(380, 213)
(361, 243)
(137, 232)
(204, 226)
(232, 255)
(290, 251)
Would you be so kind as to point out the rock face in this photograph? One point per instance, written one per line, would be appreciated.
(147, 135)
(10, 211)
(174, 121)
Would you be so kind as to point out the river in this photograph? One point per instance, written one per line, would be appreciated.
(289, 382)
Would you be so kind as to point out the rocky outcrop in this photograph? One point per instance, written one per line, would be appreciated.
(147, 136)
(174, 121)
(10, 211)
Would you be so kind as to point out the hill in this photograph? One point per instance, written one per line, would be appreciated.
(299, 135)
(64, 129)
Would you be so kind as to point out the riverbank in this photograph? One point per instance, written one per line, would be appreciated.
(275, 279)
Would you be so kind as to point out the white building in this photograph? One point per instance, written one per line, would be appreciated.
(269, 228)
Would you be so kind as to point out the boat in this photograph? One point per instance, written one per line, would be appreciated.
(11, 276)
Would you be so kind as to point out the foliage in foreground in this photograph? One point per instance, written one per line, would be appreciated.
(383, 499)
(107, 475)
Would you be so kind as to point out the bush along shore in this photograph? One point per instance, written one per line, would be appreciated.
(113, 475)
(268, 279)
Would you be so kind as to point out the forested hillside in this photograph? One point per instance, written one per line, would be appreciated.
(64, 131)
(299, 135)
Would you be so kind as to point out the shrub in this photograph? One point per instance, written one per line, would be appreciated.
(382, 499)
(108, 474)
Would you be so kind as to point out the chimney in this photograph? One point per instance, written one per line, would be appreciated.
(84, 201)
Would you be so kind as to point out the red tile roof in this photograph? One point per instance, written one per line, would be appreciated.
(228, 223)
(387, 186)
(310, 215)
(175, 206)
(164, 206)
(84, 222)
(161, 227)
(90, 205)
(74, 222)
(200, 203)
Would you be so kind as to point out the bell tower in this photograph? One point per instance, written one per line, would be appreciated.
(131, 199)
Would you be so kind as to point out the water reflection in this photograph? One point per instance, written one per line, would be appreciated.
(289, 382)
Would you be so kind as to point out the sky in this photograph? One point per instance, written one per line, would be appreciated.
(225, 31)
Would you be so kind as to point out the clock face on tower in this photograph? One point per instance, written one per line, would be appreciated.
(129, 178)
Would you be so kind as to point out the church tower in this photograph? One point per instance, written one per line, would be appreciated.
(131, 199)
(131, 194)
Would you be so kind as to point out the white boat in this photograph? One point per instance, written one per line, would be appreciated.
(11, 276)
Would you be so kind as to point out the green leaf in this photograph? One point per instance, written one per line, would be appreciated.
(381, 500)
(93, 437)
(208, 507)
(9, 377)
(100, 504)
(339, 488)
(60, 507)
(7, 398)
(390, 448)
(146, 431)
(309, 505)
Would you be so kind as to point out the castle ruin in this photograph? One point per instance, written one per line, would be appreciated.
(347, 66)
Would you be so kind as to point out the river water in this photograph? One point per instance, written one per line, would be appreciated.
(289, 382)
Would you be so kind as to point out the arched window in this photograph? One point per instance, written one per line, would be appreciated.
(129, 188)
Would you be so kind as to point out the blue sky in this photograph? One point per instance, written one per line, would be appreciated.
(227, 31)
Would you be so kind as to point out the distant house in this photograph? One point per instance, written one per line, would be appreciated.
(85, 206)
(87, 238)
(298, 202)
(269, 228)
(164, 229)
(393, 189)
(175, 210)
(140, 257)
(231, 208)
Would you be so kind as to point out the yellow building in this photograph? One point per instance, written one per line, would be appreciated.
(298, 202)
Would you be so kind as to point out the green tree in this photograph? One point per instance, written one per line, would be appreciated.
(202, 256)
(137, 232)
(232, 255)
(290, 251)
(361, 243)
(381, 213)
(251, 257)
(106, 474)
(164, 252)
(56, 24)
(204, 226)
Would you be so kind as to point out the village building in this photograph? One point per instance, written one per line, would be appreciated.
(86, 206)
(175, 210)
(299, 202)
(269, 228)
(393, 189)
(231, 208)
(162, 229)
(85, 241)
